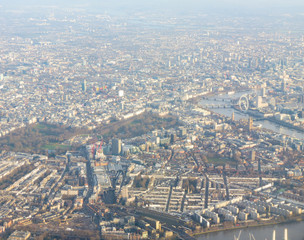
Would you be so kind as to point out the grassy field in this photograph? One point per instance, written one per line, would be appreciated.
(221, 161)
(56, 147)
(136, 126)
(38, 138)
(41, 137)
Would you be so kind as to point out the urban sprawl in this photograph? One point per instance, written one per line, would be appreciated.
(211, 172)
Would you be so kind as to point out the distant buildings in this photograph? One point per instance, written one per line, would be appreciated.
(161, 80)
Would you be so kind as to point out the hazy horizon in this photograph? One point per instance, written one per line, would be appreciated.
(228, 7)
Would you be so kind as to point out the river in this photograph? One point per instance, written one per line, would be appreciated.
(295, 232)
(296, 229)
(239, 115)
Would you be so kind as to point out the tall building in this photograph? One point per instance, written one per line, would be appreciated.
(182, 132)
(172, 138)
(259, 166)
(259, 101)
(250, 124)
(283, 85)
(116, 146)
(232, 117)
(84, 86)
(263, 92)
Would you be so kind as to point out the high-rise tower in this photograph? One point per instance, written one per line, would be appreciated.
(116, 146)
(250, 124)
(84, 86)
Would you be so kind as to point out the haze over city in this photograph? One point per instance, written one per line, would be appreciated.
(151, 119)
(225, 7)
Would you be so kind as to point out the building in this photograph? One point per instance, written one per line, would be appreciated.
(20, 235)
(250, 124)
(121, 93)
(84, 86)
(116, 146)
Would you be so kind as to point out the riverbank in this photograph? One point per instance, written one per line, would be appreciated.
(299, 218)
(198, 97)
(285, 124)
(272, 119)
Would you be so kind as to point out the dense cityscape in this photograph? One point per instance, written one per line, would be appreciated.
(154, 124)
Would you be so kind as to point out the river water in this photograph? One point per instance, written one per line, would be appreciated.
(295, 232)
(240, 115)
